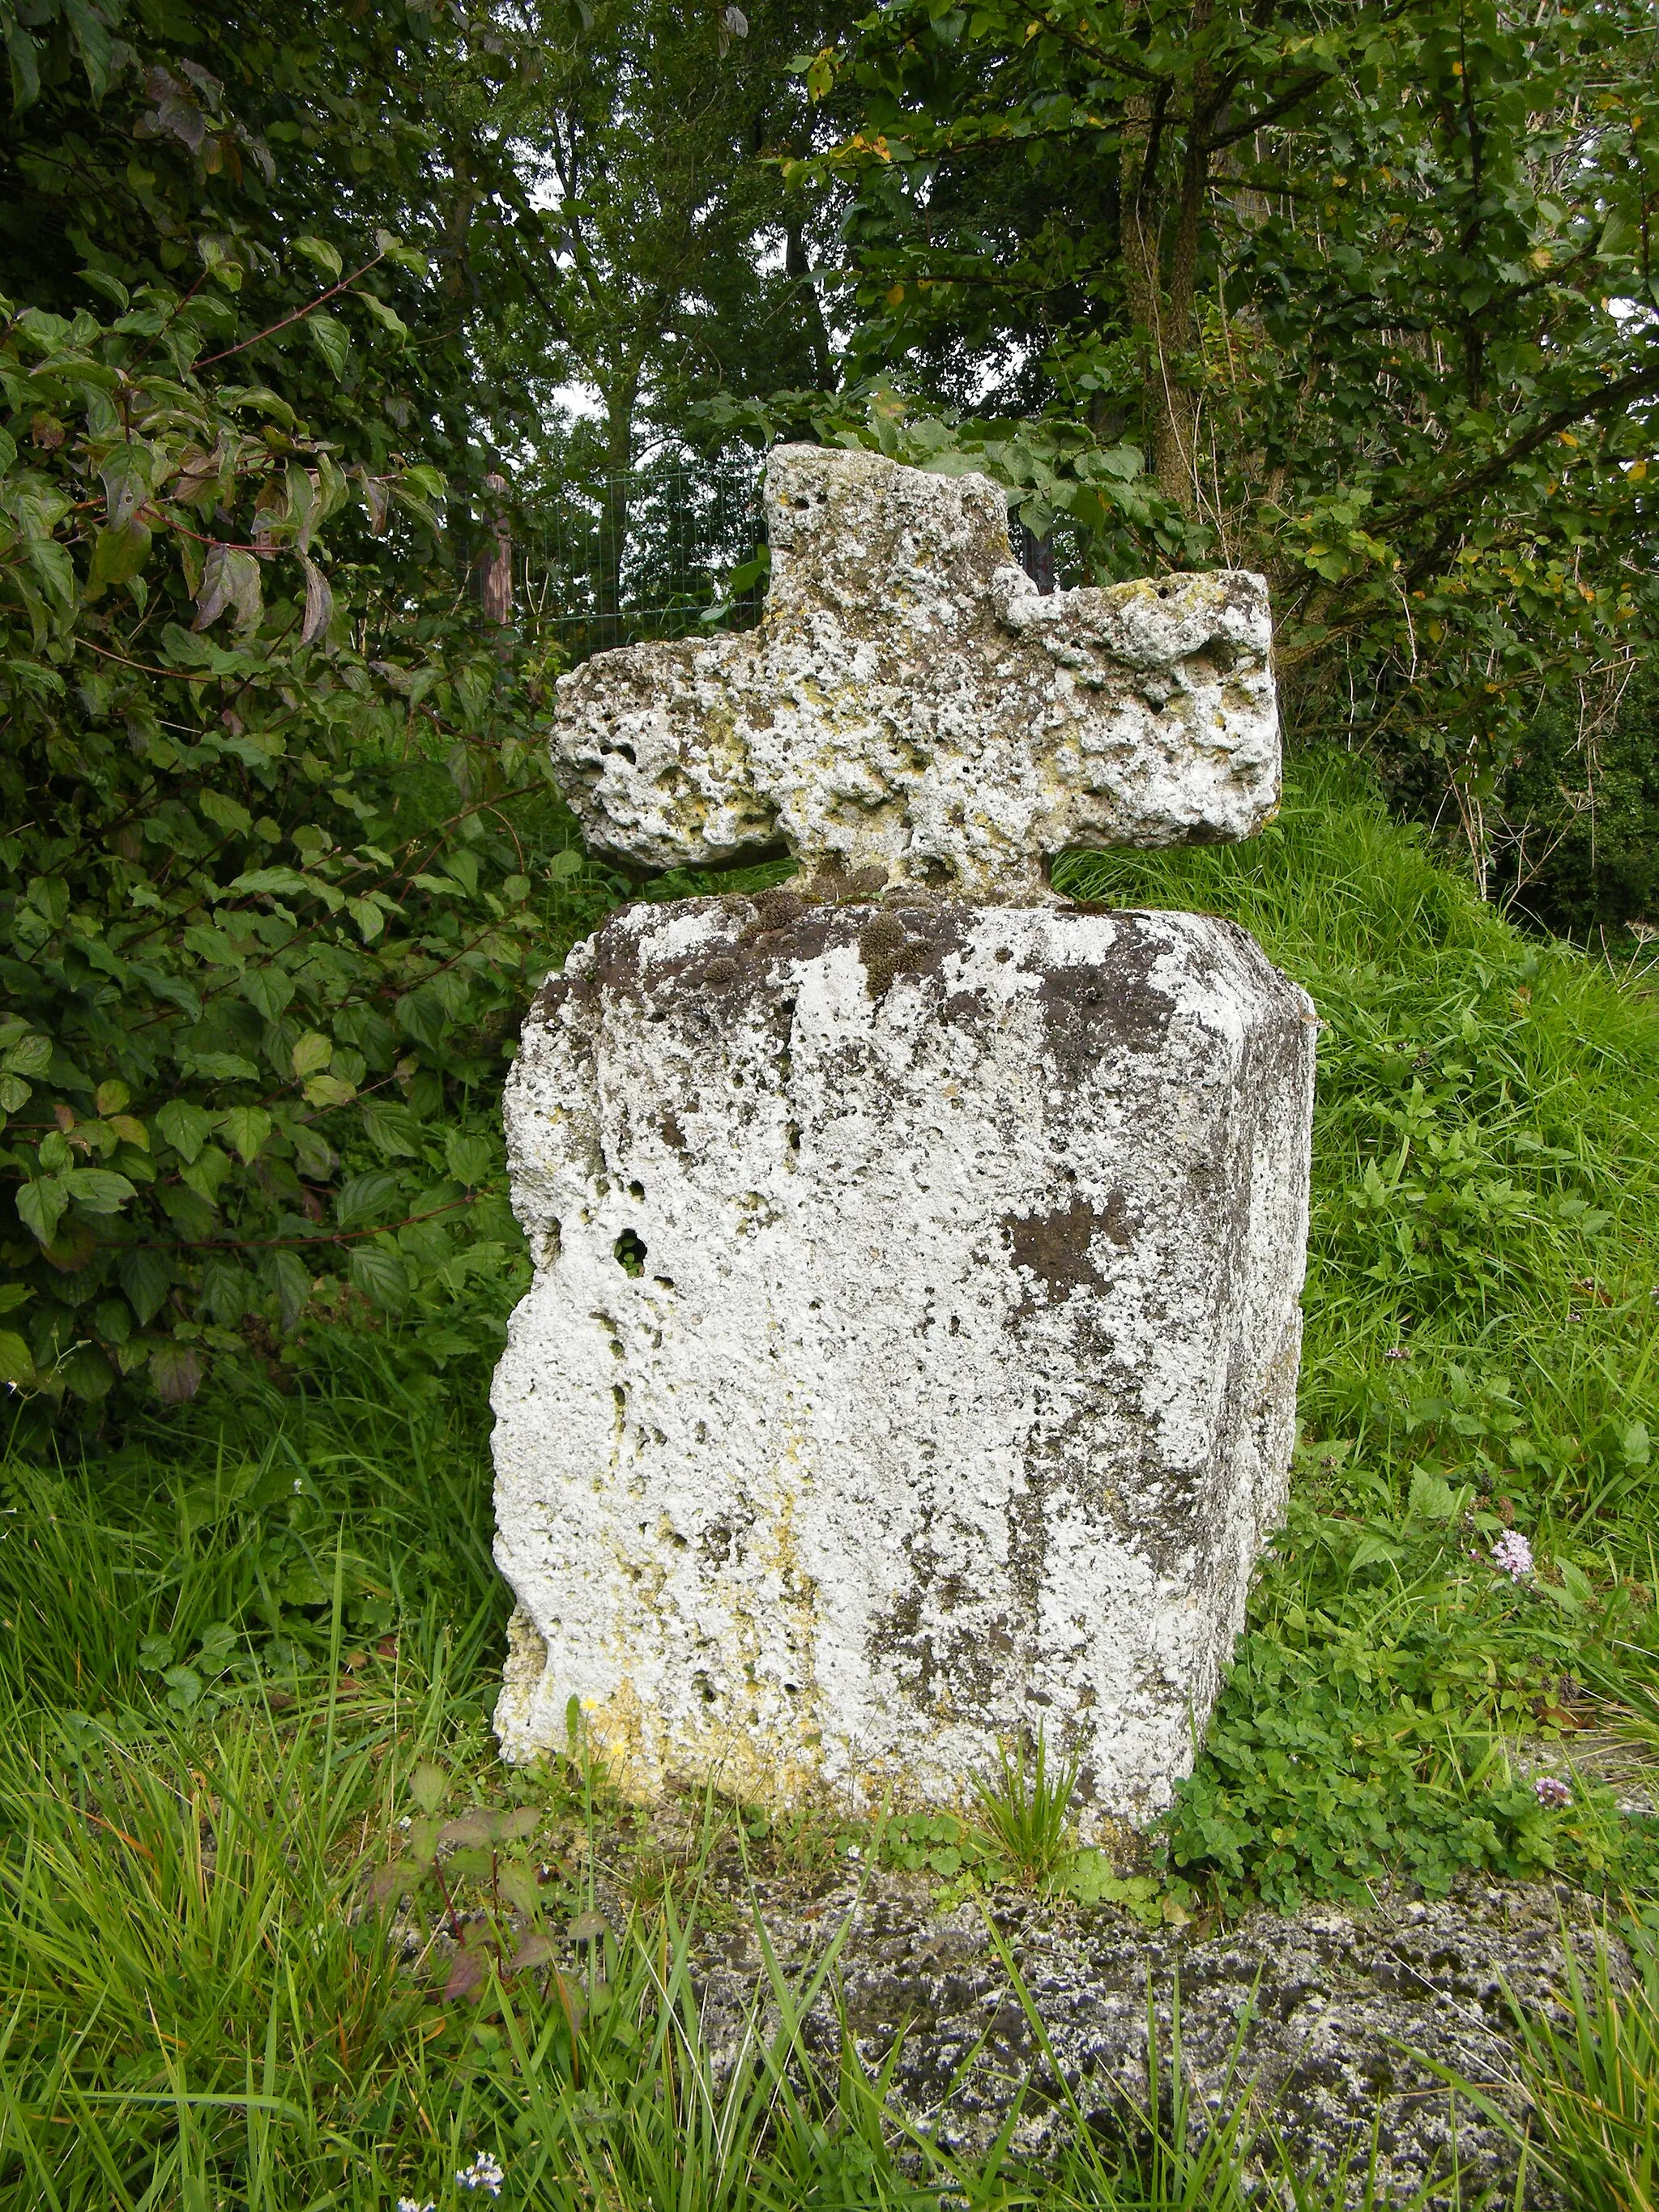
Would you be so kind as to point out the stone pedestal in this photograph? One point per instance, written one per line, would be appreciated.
(912, 1352)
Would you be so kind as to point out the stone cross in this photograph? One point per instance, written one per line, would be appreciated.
(910, 1361)
(911, 704)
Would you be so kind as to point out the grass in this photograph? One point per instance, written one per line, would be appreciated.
(237, 1652)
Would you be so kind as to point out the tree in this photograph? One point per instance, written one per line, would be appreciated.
(674, 263)
(1368, 291)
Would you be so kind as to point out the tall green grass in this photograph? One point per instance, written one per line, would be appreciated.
(230, 1649)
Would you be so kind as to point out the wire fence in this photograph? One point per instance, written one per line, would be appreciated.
(659, 552)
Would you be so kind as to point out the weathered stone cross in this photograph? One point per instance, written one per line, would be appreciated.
(911, 1357)
(911, 703)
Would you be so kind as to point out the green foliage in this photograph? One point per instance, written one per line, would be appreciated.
(265, 919)
(1026, 1805)
(1367, 297)
(1481, 1334)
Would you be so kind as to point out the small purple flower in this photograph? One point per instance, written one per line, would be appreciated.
(486, 2172)
(1550, 1789)
(1513, 1555)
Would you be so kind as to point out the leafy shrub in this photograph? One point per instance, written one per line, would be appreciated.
(266, 921)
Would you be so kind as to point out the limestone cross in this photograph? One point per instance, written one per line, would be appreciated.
(911, 702)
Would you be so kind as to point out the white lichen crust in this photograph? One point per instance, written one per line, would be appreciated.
(911, 1356)
(911, 702)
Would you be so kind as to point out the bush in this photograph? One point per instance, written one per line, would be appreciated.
(266, 917)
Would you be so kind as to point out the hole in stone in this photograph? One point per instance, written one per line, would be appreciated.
(630, 1252)
(792, 1689)
(933, 870)
(663, 1282)
(792, 1136)
(626, 752)
(705, 1688)
(619, 1398)
(636, 1190)
(1003, 953)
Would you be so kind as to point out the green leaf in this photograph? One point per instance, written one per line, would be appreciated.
(321, 254)
(99, 1190)
(224, 814)
(391, 1129)
(269, 991)
(1431, 1499)
(311, 1054)
(380, 1273)
(245, 1128)
(117, 555)
(146, 1277)
(30, 1055)
(41, 1207)
(332, 339)
(366, 1197)
(185, 1128)
(16, 1366)
(319, 603)
(470, 1158)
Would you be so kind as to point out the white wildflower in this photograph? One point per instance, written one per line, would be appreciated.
(1513, 1555)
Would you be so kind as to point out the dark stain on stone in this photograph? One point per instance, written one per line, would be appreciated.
(1054, 1247)
(1092, 1008)
(907, 941)
(673, 1134)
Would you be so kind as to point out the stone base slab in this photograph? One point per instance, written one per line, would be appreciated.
(911, 1357)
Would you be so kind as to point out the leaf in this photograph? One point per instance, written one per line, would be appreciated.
(388, 318)
(587, 1928)
(311, 1054)
(332, 339)
(30, 1055)
(288, 882)
(112, 1098)
(391, 1129)
(325, 1090)
(269, 991)
(99, 1190)
(369, 918)
(177, 1370)
(118, 554)
(1431, 1498)
(230, 577)
(365, 1197)
(146, 1277)
(321, 254)
(125, 475)
(224, 814)
(429, 1785)
(221, 1067)
(245, 1128)
(17, 1367)
(380, 1273)
(185, 1128)
(467, 1975)
(534, 1950)
(319, 602)
(469, 1158)
(1372, 1551)
(41, 1207)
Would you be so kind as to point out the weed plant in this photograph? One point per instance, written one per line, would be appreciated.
(239, 1651)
